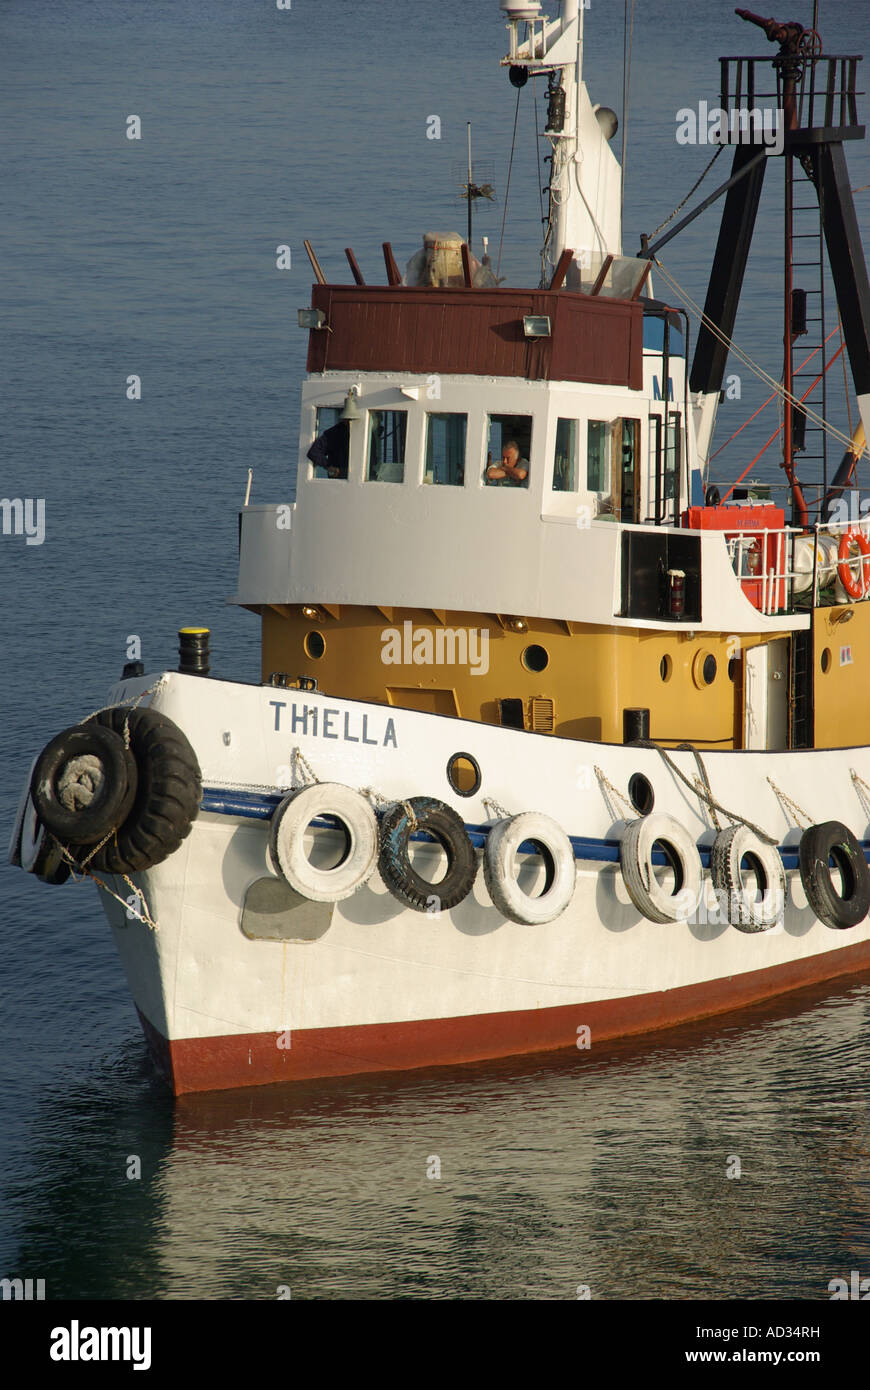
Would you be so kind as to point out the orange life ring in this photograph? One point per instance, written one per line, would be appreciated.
(856, 585)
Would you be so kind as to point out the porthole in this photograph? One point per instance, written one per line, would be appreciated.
(463, 774)
(641, 793)
(826, 661)
(666, 668)
(704, 669)
(314, 645)
(734, 668)
(536, 658)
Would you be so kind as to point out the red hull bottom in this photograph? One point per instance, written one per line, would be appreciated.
(255, 1059)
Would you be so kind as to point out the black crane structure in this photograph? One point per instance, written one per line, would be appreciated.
(814, 96)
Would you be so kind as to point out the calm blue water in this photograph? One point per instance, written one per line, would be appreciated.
(157, 258)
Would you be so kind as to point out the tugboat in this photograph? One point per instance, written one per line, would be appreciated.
(553, 741)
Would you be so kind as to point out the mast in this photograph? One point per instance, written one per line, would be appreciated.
(585, 213)
(817, 95)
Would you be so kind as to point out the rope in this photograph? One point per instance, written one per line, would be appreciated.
(508, 184)
(706, 796)
(679, 208)
(81, 779)
(777, 387)
(792, 806)
(689, 748)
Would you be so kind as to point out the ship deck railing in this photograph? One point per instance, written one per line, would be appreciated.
(859, 523)
(769, 584)
(825, 93)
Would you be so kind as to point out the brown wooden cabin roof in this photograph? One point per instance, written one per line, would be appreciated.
(387, 328)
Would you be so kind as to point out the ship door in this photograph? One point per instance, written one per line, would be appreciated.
(626, 469)
(765, 695)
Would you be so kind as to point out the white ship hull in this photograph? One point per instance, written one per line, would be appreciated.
(367, 984)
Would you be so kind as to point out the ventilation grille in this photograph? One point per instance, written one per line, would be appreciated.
(542, 714)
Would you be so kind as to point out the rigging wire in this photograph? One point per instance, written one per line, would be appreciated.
(692, 190)
(765, 404)
(763, 450)
(776, 386)
(627, 44)
(508, 184)
(544, 218)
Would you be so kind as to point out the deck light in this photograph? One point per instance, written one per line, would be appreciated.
(536, 325)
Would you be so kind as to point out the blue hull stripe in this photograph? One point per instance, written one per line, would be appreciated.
(261, 805)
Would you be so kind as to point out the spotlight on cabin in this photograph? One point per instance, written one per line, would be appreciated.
(537, 325)
(311, 318)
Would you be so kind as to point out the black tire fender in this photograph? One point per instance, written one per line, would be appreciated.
(168, 793)
(819, 845)
(440, 821)
(83, 784)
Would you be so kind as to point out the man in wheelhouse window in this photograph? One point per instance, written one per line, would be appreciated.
(330, 449)
(512, 471)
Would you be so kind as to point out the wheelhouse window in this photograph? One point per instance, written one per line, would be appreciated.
(612, 458)
(508, 450)
(628, 437)
(329, 452)
(565, 476)
(598, 450)
(386, 446)
(445, 449)
(673, 458)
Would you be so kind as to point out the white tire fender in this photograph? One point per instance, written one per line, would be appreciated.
(499, 855)
(656, 902)
(730, 848)
(287, 841)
